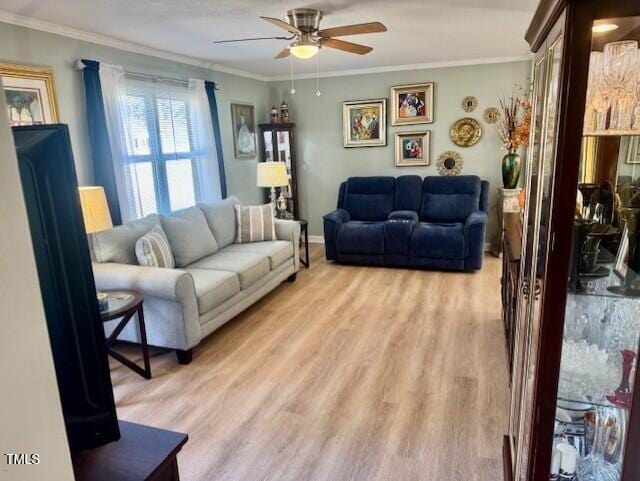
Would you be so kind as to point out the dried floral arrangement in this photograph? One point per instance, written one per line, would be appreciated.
(515, 122)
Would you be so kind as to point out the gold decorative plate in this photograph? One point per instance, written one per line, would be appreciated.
(466, 132)
(491, 115)
(449, 163)
(469, 103)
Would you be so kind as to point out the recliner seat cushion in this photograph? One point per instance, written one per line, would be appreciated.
(449, 199)
(438, 241)
(249, 267)
(277, 251)
(213, 287)
(357, 237)
(369, 198)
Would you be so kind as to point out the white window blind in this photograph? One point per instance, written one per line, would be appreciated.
(162, 144)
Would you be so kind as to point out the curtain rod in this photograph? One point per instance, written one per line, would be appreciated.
(148, 77)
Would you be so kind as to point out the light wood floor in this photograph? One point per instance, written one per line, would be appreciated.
(350, 373)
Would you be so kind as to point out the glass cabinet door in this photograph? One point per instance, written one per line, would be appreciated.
(547, 74)
(602, 312)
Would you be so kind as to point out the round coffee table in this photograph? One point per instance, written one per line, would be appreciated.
(124, 305)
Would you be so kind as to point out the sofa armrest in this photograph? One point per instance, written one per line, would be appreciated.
(338, 216)
(403, 215)
(289, 230)
(474, 231)
(170, 284)
(332, 223)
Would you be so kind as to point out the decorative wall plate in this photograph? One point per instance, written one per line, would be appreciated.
(469, 103)
(466, 132)
(449, 163)
(491, 115)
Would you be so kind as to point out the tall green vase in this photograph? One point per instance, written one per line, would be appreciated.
(511, 165)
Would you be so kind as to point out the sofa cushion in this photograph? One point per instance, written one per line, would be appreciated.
(221, 218)
(153, 249)
(438, 241)
(189, 235)
(248, 266)
(255, 223)
(449, 199)
(369, 198)
(213, 287)
(277, 251)
(408, 193)
(357, 237)
(119, 244)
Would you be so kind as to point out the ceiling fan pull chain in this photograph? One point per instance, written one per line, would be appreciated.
(318, 93)
(293, 88)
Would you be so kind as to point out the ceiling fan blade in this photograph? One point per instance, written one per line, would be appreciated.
(346, 46)
(283, 53)
(251, 39)
(283, 24)
(371, 27)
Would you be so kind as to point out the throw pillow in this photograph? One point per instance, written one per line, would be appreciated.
(189, 236)
(255, 223)
(153, 250)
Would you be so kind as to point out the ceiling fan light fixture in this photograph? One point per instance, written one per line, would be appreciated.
(304, 49)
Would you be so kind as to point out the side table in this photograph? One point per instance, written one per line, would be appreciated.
(126, 304)
(304, 230)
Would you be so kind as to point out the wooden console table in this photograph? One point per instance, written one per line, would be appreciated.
(143, 453)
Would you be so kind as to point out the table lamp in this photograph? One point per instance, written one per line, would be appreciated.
(272, 175)
(95, 210)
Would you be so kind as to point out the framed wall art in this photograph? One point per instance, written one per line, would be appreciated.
(243, 119)
(412, 148)
(364, 123)
(30, 94)
(412, 104)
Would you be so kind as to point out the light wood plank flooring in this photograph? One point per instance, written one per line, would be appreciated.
(350, 373)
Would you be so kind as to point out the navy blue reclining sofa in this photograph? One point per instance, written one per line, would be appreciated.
(436, 223)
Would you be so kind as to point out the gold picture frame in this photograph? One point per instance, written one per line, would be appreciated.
(30, 94)
(364, 123)
(412, 148)
(412, 104)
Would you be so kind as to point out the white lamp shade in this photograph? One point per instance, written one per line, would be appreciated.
(95, 209)
(272, 174)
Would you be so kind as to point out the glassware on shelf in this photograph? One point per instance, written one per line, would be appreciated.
(594, 85)
(619, 72)
(603, 461)
(622, 396)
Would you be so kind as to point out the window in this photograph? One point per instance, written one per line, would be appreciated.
(161, 150)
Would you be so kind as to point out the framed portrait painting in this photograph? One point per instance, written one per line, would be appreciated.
(412, 104)
(243, 118)
(30, 95)
(633, 150)
(412, 148)
(364, 123)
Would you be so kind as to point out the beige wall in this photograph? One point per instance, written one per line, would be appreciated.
(30, 413)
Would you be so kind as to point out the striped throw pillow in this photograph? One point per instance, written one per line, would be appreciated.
(153, 250)
(254, 223)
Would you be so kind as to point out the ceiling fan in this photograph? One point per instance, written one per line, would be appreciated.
(308, 38)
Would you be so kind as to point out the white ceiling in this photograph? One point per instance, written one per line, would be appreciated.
(419, 31)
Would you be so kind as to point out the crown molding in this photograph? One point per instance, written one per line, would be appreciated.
(77, 34)
(49, 27)
(414, 66)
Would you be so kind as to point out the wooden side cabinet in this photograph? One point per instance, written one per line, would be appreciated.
(143, 453)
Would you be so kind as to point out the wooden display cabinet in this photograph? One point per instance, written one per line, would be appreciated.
(549, 381)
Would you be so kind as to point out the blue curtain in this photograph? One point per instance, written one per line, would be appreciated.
(210, 87)
(99, 138)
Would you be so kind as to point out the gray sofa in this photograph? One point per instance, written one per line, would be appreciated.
(213, 280)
